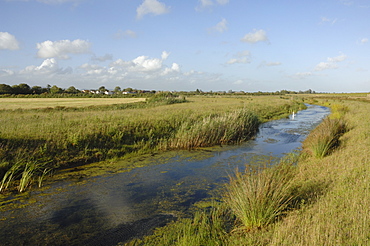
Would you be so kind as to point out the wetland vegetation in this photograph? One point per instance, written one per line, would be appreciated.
(319, 197)
(36, 141)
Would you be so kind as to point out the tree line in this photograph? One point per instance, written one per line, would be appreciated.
(25, 89)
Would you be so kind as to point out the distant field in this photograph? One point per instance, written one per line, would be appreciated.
(33, 103)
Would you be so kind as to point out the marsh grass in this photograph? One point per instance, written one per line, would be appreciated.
(58, 138)
(325, 138)
(328, 199)
(228, 128)
(206, 227)
(259, 196)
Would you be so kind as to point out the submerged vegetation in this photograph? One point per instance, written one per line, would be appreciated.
(304, 200)
(36, 141)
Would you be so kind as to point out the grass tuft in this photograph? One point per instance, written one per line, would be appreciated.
(325, 138)
(259, 196)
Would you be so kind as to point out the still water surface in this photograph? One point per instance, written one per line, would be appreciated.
(112, 208)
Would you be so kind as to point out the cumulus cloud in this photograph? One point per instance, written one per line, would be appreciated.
(255, 36)
(103, 58)
(141, 63)
(331, 63)
(242, 57)
(301, 75)
(125, 34)
(209, 3)
(219, 27)
(175, 68)
(61, 49)
(47, 67)
(165, 55)
(8, 41)
(151, 7)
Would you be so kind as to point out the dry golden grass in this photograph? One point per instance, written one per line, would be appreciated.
(35, 103)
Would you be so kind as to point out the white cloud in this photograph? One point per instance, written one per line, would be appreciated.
(61, 49)
(347, 2)
(328, 20)
(125, 34)
(325, 65)
(242, 57)
(151, 7)
(269, 64)
(222, 2)
(331, 63)
(364, 40)
(103, 58)
(47, 67)
(141, 64)
(165, 55)
(254, 37)
(8, 41)
(337, 58)
(6, 72)
(238, 82)
(301, 75)
(219, 27)
(93, 69)
(175, 68)
(209, 3)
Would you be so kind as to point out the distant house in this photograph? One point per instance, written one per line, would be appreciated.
(108, 92)
(128, 92)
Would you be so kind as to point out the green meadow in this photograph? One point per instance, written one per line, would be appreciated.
(320, 196)
(39, 136)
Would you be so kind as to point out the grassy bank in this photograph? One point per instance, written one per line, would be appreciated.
(33, 142)
(323, 200)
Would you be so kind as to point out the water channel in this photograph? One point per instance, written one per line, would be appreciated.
(113, 207)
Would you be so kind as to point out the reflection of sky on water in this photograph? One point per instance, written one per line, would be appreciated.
(76, 212)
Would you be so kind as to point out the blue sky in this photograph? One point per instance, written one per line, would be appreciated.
(218, 45)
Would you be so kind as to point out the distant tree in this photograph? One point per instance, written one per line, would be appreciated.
(38, 90)
(6, 89)
(129, 89)
(72, 90)
(102, 89)
(56, 90)
(21, 89)
(117, 89)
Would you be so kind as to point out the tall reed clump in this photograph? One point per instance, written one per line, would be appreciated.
(259, 196)
(231, 127)
(24, 173)
(325, 138)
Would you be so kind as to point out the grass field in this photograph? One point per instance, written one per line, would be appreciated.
(37, 103)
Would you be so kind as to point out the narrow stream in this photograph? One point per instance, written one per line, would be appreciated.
(112, 208)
